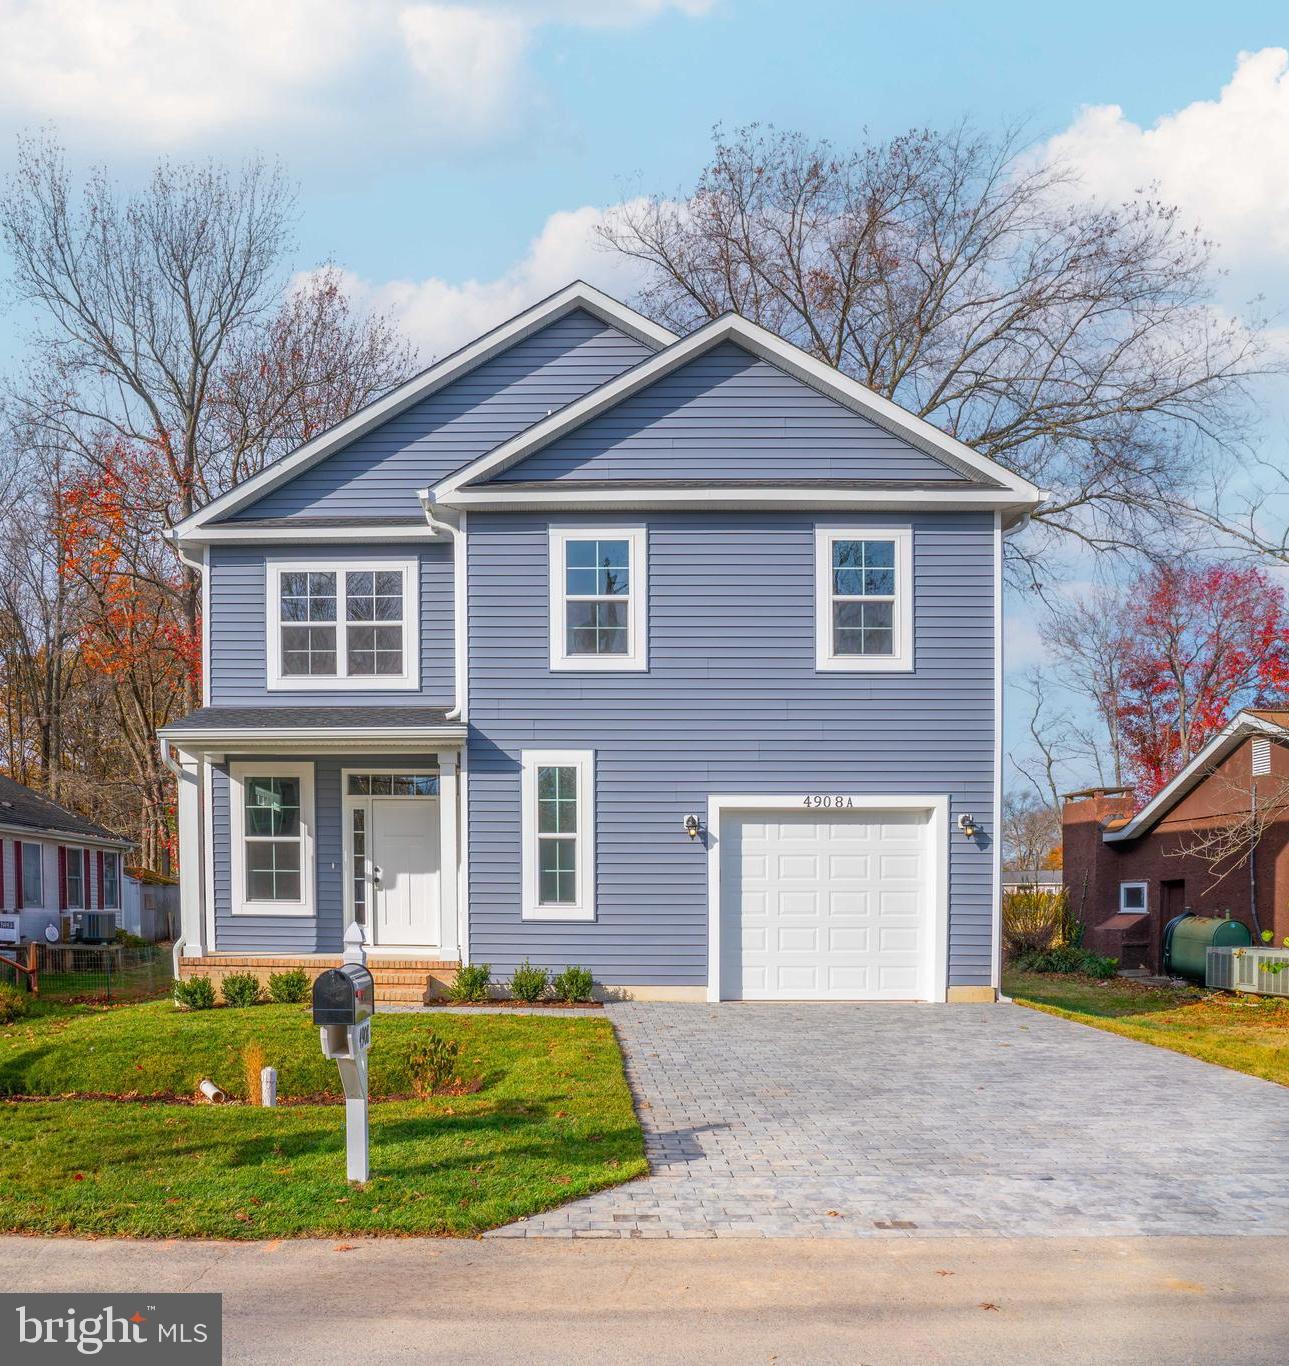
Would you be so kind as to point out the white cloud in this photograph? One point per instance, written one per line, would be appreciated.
(1221, 161)
(439, 315)
(162, 73)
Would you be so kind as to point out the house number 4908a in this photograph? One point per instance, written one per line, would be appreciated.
(819, 799)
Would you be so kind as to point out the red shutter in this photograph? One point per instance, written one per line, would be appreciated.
(17, 875)
(62, 878)
(100, 879)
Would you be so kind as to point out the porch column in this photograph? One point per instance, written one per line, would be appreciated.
(192, 875)
(449, 854)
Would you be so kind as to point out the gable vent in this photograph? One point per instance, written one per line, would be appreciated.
(1261, 757)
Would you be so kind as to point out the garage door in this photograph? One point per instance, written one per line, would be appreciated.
(819, 905)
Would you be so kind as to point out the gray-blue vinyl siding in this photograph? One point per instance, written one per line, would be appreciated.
(731, 704)
(322, 932)
(378, 475)
(239, 636)
(729, 415)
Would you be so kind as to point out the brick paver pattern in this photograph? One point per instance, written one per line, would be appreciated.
(845, 1121)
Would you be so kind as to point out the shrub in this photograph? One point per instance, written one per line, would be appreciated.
(573, 984)
(241, 989)
(472, 982)
(289, 988)
(194, 993)
(13, 1003)
(1033, 921)
(528, 983)
(130, 941)
(432, 1061)
(1068, 958)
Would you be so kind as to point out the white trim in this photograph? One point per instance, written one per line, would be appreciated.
(996, 851)
(234, 533)
(438, 376)
(636, 659)
(463, 857)
(1144, 908)
(584, 761)
(936, 965)
(353, 739)
(206, 860)
(449, 856)
(901, 661)
(205, 626)
(768, 347)
(1223, 743)
(31, 834)
(237, 775)
(340, 681)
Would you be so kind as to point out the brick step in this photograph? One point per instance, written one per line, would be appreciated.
(379, 964)
(408, 978)
(387, 995)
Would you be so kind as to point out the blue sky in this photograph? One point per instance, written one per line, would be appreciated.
(455, 158)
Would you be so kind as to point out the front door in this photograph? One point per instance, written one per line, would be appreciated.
(405, 871)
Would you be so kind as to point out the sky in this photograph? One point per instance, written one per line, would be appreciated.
(454, 159)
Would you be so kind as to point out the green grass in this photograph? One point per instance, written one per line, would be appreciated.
(1246, 1033)
(552, 1121)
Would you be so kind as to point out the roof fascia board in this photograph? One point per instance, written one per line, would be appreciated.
(20, 832)
(1225, 742)
(437, 376)
(232, 533)
(766, 346)
(352, 737)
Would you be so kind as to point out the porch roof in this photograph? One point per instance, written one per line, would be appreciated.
(330, 728)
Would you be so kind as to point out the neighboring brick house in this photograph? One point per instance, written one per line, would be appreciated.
(1128, 875)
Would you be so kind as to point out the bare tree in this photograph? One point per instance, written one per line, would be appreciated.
(1031, 833)
(1054, 742)
(968, 281)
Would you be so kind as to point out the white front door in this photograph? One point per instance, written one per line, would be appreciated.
(405, 872)
(825, 905)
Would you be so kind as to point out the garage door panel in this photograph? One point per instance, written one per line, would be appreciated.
(827, 906)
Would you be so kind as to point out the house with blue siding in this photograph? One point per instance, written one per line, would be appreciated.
(676, 658)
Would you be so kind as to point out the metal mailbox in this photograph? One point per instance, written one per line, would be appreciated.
(343, 996)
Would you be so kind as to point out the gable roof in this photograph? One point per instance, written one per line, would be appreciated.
(1243, 726)
(437, 376)
(22, 809)
(989, 482)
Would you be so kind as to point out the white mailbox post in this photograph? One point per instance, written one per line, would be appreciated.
(343, 1001)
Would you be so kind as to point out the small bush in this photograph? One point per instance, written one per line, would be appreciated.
(289, 988)
(130, 941)
(242, 989)
(472, 982)
(1068, 958)
(573, 984)
(528, 983)
(1033, 921)
(194, 993)
(432, 1062)
(13, 1004)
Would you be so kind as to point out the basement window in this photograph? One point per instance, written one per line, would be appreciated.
(1132, 898)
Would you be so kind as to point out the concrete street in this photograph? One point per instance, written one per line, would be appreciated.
(1098, 1300)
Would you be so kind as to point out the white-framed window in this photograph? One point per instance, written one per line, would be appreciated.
(864, 598)
(558, 809)
(1132, 898)
(33, 874)
(111, 880)
(599, 585)
(346, 624)
(74, 875)
(271, 817)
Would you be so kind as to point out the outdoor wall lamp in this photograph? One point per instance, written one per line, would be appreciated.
(967, 824)
(692, 827)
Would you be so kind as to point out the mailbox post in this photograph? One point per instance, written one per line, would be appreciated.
(343, 1001)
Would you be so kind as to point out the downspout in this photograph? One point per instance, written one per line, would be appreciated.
(442, 526)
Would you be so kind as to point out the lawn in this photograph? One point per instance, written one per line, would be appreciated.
(551, 1120)
(1247, 1033)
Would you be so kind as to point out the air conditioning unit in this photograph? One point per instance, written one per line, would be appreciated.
(98, 927)
(1240, 969)
(10, 928)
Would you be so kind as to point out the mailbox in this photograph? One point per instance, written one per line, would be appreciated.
(343, 995)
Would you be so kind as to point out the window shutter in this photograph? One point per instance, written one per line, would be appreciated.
(100, 879)
(17, 875)
(1261, 757)
(62, 877)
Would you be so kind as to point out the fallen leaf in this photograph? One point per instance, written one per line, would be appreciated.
(343, 1200)
(343, 1247)
(564, 1180)
(834, 1214)
(944, 1273)
(78, 1176)
(985, 1304)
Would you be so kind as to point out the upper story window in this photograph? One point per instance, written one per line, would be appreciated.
(599, 589)
(864, 598)
(348, 625)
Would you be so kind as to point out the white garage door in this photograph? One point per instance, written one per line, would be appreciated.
(825, 905)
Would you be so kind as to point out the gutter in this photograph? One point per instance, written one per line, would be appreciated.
(456, 530)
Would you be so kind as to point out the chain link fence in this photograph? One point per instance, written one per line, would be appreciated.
(95, 973)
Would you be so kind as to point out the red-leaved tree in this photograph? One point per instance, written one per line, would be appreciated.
(1204, 641)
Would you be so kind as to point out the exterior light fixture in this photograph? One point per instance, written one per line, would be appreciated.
(967, 824)
(692, 827)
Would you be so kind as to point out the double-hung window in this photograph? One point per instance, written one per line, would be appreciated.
(111, 880)
(33, 874)
(864, 598)
(345, 625)
(599, 590)
(271, 810)
(558, 805)
(74, 879)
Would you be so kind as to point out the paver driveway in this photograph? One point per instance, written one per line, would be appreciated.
(857, 1121)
